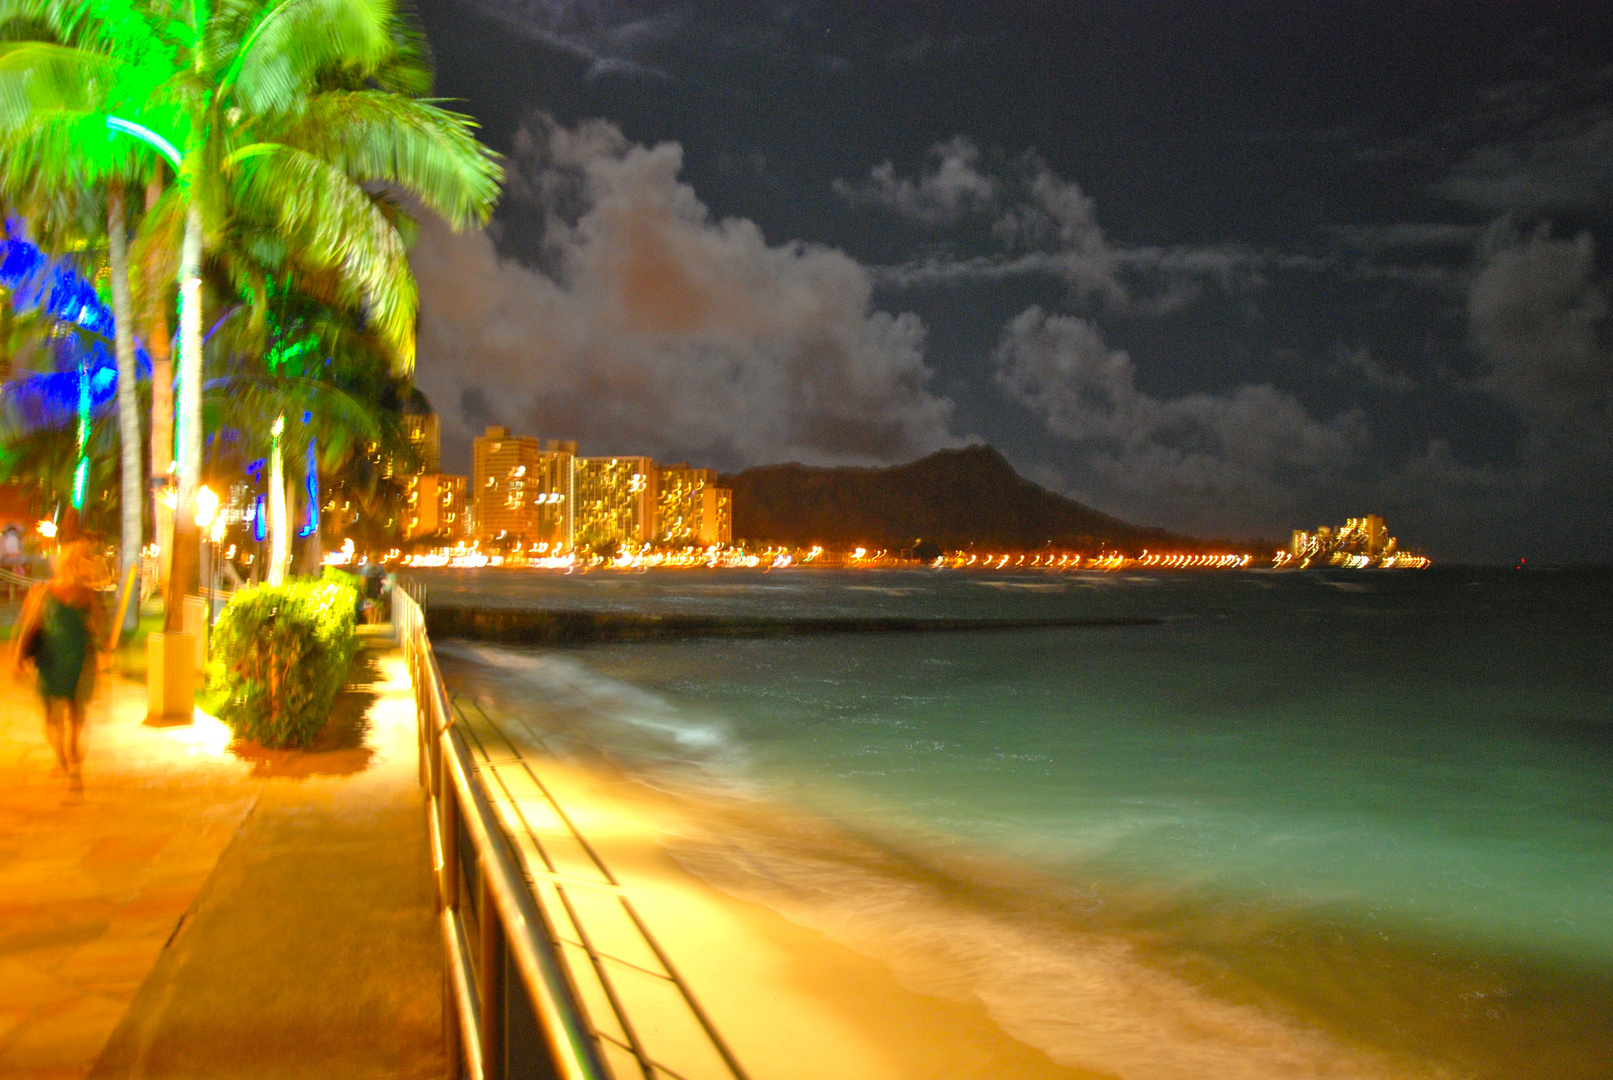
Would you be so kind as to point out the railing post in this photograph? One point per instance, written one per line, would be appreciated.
(453, 1048)
(490, 978)
(446, 809)
(448, 833)
(436, 765)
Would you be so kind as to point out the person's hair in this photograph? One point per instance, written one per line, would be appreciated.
(77, 564)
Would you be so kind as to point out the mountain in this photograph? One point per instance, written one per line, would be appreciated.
(952, 499)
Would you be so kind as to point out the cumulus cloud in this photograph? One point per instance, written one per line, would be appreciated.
(1208, 461)
(653, 328)
(1540, 317)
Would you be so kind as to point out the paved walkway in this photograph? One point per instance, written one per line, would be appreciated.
(199, 912)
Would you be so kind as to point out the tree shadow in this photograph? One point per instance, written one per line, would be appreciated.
(339, 749)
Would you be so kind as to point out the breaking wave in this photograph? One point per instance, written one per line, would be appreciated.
(1086, 999)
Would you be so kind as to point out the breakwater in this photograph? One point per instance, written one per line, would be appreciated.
(529, 626)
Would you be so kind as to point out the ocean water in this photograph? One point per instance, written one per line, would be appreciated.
(1306, 825)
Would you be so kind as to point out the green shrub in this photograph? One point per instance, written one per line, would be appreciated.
(280, 656)
(342, 577)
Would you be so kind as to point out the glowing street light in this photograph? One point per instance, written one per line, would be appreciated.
(47, 529)
(206, 506)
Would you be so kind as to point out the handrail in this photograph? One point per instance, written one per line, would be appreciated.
(509, 921)
(11, 577)
(526, 927)
(500, 767)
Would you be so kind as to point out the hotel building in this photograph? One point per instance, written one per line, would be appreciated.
(1358, 541)
(434, 507)
(424, 433)
(690, 509)
(616, 500)
(524, 490)
(543, 498)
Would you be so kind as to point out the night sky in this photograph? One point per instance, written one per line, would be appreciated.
(1228, 269)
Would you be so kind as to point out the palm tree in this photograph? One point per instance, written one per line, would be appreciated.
(41, 443)
(295, 357)
(36, 176)
(279, 112)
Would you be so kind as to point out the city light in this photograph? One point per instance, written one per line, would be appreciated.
(1359, 544)
(206, 506)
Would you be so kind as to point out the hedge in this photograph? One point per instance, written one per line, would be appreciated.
(280, 656)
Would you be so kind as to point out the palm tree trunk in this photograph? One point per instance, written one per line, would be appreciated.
(128, 410)
(159, 345)
(279, 520)
(187, 540)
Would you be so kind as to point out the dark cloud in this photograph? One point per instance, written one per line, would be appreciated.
(1540, 318)
(1560, 165)
(1357, 361)
(1034, 223)
(950, 187)
(1218, 461)
(655, 329)
(1408, 237)
(615, 37)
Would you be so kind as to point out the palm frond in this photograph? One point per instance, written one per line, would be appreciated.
(70, 148)
(333, 224)
(270, 57)
(408, 71)
(142, 33)
(372, 135)
(40, 19)
(37, 75)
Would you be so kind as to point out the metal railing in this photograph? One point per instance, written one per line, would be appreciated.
(495, 921)
(528, 915)
(14, 581)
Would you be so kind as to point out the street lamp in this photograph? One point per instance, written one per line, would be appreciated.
(206, 506)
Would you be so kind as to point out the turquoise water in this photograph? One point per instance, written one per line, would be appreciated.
(1307, 825)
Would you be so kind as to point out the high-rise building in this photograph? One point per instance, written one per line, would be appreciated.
(424, 432)
(689, 507)
(434, 507)
(616, 500)
(725, 516)
(524, 491)
(1364, 536)
(425, 435)
(554, 496)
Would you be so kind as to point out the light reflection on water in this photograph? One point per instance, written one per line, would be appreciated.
(1380, 805)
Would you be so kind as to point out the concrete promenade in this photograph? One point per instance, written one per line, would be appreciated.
(200, 912)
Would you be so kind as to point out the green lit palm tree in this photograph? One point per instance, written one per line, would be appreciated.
(53, 190)
(292, 354)
(280, 112)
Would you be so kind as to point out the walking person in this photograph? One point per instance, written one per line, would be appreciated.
(60, 630)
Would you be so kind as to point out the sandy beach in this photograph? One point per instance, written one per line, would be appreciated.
(792, 1003)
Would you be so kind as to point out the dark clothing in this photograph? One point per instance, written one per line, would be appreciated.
(65, 648)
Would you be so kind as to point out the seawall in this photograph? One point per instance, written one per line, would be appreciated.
(564, 627)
